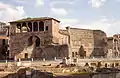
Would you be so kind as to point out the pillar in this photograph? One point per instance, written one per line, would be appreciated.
(44, 25)
(27, 26)
(32, 26)
(38, 25)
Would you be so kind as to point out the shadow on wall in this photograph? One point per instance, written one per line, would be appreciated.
(52, 51)
(100, 44)
(33, 49)
(29, 50)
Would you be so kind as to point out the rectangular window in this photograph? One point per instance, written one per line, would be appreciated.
(46, 28)
(26, 55)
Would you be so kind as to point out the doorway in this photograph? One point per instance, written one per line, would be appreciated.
(26, 55)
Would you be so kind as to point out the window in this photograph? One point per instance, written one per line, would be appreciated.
(37, 41)
(72, 54)
(19, 26)
(41, 26)
(29, 27)
(3, 42)
(26, 55)
(24, 27)
(35, 26)
(46, 28)
(76, 53)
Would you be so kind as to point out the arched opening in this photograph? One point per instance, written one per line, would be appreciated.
(46, 28)
(106, 65)
(30, 42)
(29, 27)
(18, 30)
(41, 26)
(4, 48)
(86, 64)
(26, 55)
(19, 26)
(24, 27)
(37, 42)
(82, 52)
(3, 42)
(35, 26)
(24, 24)
(72, 54)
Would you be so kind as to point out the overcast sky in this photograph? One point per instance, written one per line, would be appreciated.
(89, 14)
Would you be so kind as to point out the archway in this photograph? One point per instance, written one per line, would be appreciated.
(31, 41)
(37, 42)
(35, 26)
(41, 26)
(18, 30)
(19, 26)
(24, 27)
(29, 27)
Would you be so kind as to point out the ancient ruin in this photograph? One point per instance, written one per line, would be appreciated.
(41, 38)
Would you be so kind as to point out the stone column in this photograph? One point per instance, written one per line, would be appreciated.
(27, 26)
(38, 25)
(44, 25)
(32, 26)
(113, 51)
(21, 27)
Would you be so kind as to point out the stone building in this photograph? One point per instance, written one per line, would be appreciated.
(114, 46)
(37, 38)
(87, 43)
(42, 38)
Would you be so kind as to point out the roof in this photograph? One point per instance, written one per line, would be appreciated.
(80, 29)
(34, 19)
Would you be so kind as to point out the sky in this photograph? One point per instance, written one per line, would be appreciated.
(87, 14)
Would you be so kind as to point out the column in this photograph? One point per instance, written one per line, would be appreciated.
(113, 51)
(44, 25)
(38, 25)
(32, 26)
(20, 27)
(27, 26)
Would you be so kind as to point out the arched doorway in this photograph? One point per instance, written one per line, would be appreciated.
(24, 27)
(37, 42)
(41, 26)
(35, 26)
(18, 30)
(29, 27)
(19, 26)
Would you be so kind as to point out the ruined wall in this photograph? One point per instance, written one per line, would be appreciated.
(100, 43)
(52, 51)
(87, 43)
(81, 39)
(19, 46)
(19, 41)
(57, 36)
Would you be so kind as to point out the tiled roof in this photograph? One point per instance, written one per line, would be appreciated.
(34, 19)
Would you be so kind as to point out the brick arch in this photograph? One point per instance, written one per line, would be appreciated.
(31, 41)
